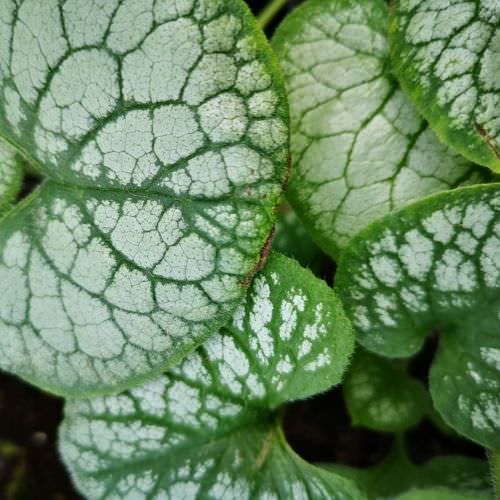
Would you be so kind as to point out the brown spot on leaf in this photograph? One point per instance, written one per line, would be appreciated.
(288, 173)
(489, 141)
(264, 254)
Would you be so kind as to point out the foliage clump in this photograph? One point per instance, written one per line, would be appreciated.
(139, 280)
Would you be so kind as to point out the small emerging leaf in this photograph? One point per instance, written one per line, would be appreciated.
(161, 127)
(436, 264)
(446, 56)
(380, 394)
(208, 428)
(359, 148)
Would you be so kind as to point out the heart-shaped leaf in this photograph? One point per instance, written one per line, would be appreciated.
(161, 129)
(210, 428)
(446, 56)
(10, 176)
(379, 394)
(359, 148)
(436, 264)
(397, 475)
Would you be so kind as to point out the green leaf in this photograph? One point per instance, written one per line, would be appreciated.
(397, 475)
(161, 130)
(10, 176)
(381, 395)
(359, 148)
(446, 58)
(435, 264)
(209, 428)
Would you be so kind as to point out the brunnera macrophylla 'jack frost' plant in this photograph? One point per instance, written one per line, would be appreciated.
(164, 150)
(160, 128)
(10, 176)
(210, 427)
(435, 264)
(446, 56)
(359, 148)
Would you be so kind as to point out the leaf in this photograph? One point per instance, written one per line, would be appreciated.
(380, 395)
(210, 428)
(397, 475)
(435, 264)
(446, 58)
(10, 176)
(161, 130)
(359, 148)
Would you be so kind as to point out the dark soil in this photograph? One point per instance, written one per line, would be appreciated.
(319, 430)
(31, 469)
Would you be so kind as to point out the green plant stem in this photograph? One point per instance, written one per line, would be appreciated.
(494, 459)
(270, 10)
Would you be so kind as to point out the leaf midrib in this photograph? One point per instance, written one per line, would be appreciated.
(185, 450)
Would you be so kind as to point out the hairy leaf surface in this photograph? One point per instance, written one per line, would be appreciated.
(161, 129)
(359, 148)
(10, 176)
(208, 428)
(381, 395)
(435, 264)
(446, 56)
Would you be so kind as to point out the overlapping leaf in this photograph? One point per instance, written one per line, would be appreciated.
(209, 428)
(435, 264)
(446, 56)
(380, 394)
(161, 129)
(359, 148)
(10, 176)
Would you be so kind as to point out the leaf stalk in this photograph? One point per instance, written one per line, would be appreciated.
(269, 12)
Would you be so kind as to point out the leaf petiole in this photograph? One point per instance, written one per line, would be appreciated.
(270, 11)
